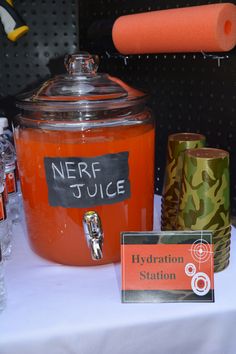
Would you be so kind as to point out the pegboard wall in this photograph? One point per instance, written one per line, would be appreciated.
(39, 54)
(188, 92)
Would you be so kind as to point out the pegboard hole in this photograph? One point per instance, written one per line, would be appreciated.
(228, 27)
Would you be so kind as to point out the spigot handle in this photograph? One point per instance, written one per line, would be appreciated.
(94, 234)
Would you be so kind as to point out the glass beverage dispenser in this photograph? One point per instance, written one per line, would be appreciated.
(85, 149)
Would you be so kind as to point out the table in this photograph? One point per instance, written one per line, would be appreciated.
(54, 309)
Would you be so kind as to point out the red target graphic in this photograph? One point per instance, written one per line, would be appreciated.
(201, 251)
(200, 284)
(190, 269)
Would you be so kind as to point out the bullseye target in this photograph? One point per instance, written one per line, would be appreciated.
(200, 284)
(201, 251)
(190, 269)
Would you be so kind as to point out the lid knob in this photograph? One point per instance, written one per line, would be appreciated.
(81, 63)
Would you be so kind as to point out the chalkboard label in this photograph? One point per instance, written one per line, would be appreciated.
(81, 182)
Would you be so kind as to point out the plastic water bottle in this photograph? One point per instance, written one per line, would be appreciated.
(9, 157)
(8, 134)
(2, 284)
(5, 222)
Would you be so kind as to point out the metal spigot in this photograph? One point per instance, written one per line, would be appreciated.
(94, 234)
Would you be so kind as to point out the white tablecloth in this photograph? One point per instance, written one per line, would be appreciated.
(54, 309)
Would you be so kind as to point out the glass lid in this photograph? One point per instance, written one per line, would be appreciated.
(81, 88)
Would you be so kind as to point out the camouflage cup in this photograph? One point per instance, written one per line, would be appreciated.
(219, 256)
(222, 232)
(205, 200)
(221, 241)
(222, 259)
(220, 245)
(177, 145)
(222, 238)
(221, 266)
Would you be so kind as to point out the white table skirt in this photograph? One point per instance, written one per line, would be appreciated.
(54, 309)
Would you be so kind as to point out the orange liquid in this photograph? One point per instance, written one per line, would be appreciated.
(56, 233)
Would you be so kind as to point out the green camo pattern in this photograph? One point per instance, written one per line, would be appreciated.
(222, 256)
(174, 167)
(222, 232)
(221, 266)
(173, 177)
(205, 199)
(220, 245)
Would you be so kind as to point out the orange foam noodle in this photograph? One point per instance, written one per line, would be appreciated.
(207, 28)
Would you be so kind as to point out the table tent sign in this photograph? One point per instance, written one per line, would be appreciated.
(167, 266)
